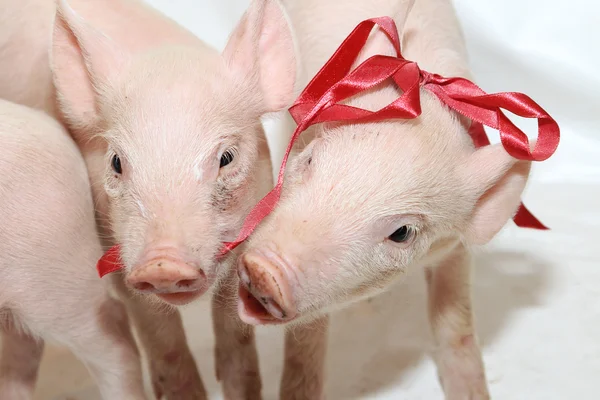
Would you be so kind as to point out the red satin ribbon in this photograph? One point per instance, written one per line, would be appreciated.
(110, 261)
(334, 83)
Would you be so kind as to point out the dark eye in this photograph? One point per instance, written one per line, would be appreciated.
(226, 158)
(116, 164)
(309, 161)
(401, 234)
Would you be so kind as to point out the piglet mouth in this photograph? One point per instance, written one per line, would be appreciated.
(180, 298)
(264, 295)
(257, 310)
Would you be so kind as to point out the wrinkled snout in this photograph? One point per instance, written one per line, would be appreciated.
(265, 295)
(171, 279)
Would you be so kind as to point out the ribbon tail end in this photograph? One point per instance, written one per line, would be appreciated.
(525, 219)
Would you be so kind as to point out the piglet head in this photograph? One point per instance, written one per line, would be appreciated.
(363, 204)
(185, 156)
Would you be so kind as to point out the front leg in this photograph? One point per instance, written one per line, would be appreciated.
(19, 363)
(235, 348)
(173, 370)
(458, 357)
(304, 363)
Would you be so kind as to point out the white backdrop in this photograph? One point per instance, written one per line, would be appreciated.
(536, 294)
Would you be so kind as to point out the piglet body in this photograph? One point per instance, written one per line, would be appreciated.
(364, 204)
(48, 249)
(171, 134)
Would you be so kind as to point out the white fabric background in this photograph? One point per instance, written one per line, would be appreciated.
(536, 294)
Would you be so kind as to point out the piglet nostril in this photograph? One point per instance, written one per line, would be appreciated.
(166, 276)
(144, 287)
(187, 283)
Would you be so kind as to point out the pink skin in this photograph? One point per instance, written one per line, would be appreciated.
(131, 84)
(365, 204)
(53, 292)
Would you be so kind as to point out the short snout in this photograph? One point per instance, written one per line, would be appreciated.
(265, 295)
(172, 280)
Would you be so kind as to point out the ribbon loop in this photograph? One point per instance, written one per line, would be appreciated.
(468, 99)
(368, 75)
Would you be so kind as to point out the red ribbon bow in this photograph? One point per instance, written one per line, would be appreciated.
(334, 83)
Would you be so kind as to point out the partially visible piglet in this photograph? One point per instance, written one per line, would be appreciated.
(364, 204)
(176, 153)
(48, 249)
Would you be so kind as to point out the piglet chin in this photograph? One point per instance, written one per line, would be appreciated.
(181, 298)
(252, 312)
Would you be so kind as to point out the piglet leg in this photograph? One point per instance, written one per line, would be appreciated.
(458, 357)
(236, 358)
(102, 340)
(304, 361)
(19, 364)
(173, 370)
(92, 325)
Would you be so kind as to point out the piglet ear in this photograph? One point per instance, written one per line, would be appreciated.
(261, 49)
(84, 62)
(497, 181)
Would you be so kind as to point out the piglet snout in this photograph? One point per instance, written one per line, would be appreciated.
(172, 280)
(264, 293)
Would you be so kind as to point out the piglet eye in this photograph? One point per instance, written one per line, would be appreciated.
(402, 234)
(309, 160)
(226, 158)
(116, 164)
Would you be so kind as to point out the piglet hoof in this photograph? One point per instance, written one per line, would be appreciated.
(176, 377)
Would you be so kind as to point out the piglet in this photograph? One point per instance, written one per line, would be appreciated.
(170, 130)
(364, 204)
(48, 249)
